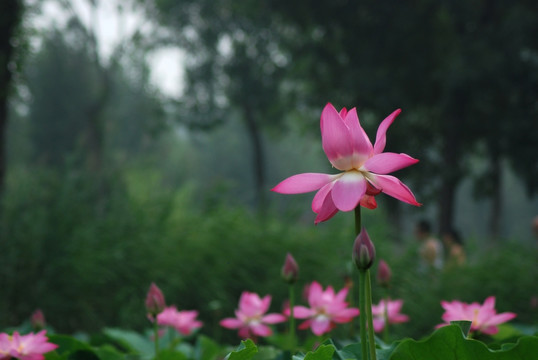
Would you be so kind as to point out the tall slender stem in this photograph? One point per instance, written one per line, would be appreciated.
(358, 222)
(156, 335)
(292, 319)
(352, 303)
(368, 296)
(362, 299)
(386, 318)
(172, 339)
(363, 314)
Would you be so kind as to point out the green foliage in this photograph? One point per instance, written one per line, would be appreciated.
(64, 246)
(206, 348)
(62, 69)
(68, 344)
(87, 261)
(130, 341)
(245, 351)
(447, 343)
(465, 326)
(487, 273)
(323, 352)
(70, 348)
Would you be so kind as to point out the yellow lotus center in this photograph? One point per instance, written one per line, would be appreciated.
(19, 349)
(475, 316)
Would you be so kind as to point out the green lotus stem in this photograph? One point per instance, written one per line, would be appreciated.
(173, 340)
(156, 335)
(358, 222)
(363, 313)
(368, 296)
(292, 319)
(386, 317)
(352, 303)
(362, 299)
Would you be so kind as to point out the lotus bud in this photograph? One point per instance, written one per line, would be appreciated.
(383, 273)
(290, 270)
(154, 300)
(363, 251)
(37, 320)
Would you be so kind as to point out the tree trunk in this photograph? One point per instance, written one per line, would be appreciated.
(450, 179)
(258, 158)
(496, 200)
(3, 138)
(10, 16)
(446, 205)
(95, 124)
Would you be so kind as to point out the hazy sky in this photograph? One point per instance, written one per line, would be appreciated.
(112, 27)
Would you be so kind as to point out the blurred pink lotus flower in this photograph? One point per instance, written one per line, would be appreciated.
(393, 314)
(251, 318)
(326, 309)
(25, 347)
(364, 167)
(183, 321)
(484, 317)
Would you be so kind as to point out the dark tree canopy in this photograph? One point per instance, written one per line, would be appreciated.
(234, 69)
(10, 17)
(463, 72)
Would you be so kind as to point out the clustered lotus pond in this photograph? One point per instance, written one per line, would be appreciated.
(363, 174)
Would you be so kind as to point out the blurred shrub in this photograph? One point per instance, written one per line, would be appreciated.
(85, 251)
(507, 270)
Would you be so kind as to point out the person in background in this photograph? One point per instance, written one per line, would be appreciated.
(431, 248)
(454, 247)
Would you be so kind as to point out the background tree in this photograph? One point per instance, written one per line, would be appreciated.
(465, 94)
(460, 69)
(502, 66)
(64, 81)
(10, 18)
(234, 69)
(62, 70)
(61, 212)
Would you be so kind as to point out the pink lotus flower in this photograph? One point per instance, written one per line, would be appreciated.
(484, 317)
(183, 321)
(326, 309)
(251, 319)
(25, 347)
(364, 167)
(393, 314)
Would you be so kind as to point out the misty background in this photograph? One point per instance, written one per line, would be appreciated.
(140, 141)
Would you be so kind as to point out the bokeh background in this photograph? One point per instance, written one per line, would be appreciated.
(140, 140)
